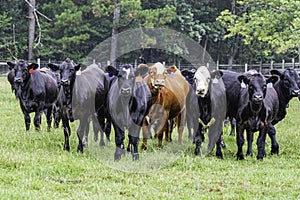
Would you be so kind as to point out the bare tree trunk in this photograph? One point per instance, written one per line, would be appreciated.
(31, 28)
(235, 41)
(114, 35)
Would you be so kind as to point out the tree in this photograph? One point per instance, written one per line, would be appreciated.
(275, 24)
(130, 12)
(31, 31)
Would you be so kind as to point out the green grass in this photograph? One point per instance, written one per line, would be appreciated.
(34, 166)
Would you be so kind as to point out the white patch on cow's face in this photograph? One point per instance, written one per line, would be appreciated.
(202, 79)
(127, 72)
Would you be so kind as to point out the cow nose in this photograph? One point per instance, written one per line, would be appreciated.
(64, 82)
(160, 82)
(18, 80)
(125, 91)
(295, 92)
(200, 91)
(257, 98)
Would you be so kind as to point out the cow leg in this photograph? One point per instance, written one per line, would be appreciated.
(219, 153)
(56, 116)
(81, 132)
(146, 134)
(37, 120)
(198, 139)
(249, 141)
(49, 117)
(27, 120)
(169, 130)
(181, 121)
(134, 141)
(67, 131)
(232, 125)
(261, 143)
(119, 140)
(240, 140)
(272, 135)
(107, 129)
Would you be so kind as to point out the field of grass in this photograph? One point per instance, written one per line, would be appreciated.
(34, 166)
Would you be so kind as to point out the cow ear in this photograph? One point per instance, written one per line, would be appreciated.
(243, 79)
(272, 79)
(276, 72)
(186, 72)
(112, 70)
(33, 66)
(11, 65)
(142, 70)
(216, 74)
(53, 66)
(80, 65)
(172, 69)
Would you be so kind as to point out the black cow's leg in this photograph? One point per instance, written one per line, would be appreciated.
(198, 139)
(249, 141)
(49, 117)
(107, 129)
(240, 140)
(56, 116)
(119, 140)
(272, 135)
(232, 125)
(67, 131)
(81, 131)
(261, 143)
(219, 153)
(27, 121)
(134, 141)
(37, 120)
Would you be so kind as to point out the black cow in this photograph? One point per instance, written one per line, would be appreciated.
(77, 97)
(129, 99)
(257, 107)
(286, 88)
(36, 90)
(210, 110)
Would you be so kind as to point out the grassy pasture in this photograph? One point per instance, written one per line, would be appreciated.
(34, 166)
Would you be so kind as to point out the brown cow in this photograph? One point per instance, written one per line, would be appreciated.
(169, 90)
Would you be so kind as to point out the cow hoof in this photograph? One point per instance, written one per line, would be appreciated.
(118, 153)
(223, 145)
(260, 158)
(219, 155)
(102, 143)
(66, 148)
(144, 147)
(197, 151)
(275, 149)
(249, 154)
(135, 156)
(80, 149)
(240, 157)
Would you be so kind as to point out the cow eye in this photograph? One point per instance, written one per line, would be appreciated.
(251, 87)
(264, 87)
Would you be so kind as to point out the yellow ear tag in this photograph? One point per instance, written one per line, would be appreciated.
(138, 79)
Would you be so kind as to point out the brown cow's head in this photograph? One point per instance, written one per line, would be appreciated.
(158, 74)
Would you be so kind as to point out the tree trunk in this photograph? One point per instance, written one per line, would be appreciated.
(31, 28)
(114, 35)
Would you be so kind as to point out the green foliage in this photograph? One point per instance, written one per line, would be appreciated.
(275, 24)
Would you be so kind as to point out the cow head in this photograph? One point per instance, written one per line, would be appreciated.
(257, 86)
(202, 79)
(158, 74)
(189, 75)
(67, 71)
(126, 77)
(289, 81)
(22, 70)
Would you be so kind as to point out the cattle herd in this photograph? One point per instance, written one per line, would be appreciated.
(134, 99)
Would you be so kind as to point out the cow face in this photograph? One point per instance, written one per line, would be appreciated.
(126, 77)
(257, 86)
(158, 74)
(67, 71)
(289, 79)
(202, 79)
(22, 70)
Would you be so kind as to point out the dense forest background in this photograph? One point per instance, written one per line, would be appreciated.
(230, 31)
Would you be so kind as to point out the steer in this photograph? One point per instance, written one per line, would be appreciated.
(211, 103)
(169, 90)
(36, 90)
(257, 107)
(77, 97)
(129, 100)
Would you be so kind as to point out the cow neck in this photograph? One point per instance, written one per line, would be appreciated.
(255, 108)
(283, 94)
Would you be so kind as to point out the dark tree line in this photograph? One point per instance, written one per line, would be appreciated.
(57, 29)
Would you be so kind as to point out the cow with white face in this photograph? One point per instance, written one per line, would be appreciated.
(202, 79)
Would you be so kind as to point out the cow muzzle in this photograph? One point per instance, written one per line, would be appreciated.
(65, 82)
(257, 99)
(18, 80)
(126, 92)
(201, 92)
(295, 93)
(159, 83)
